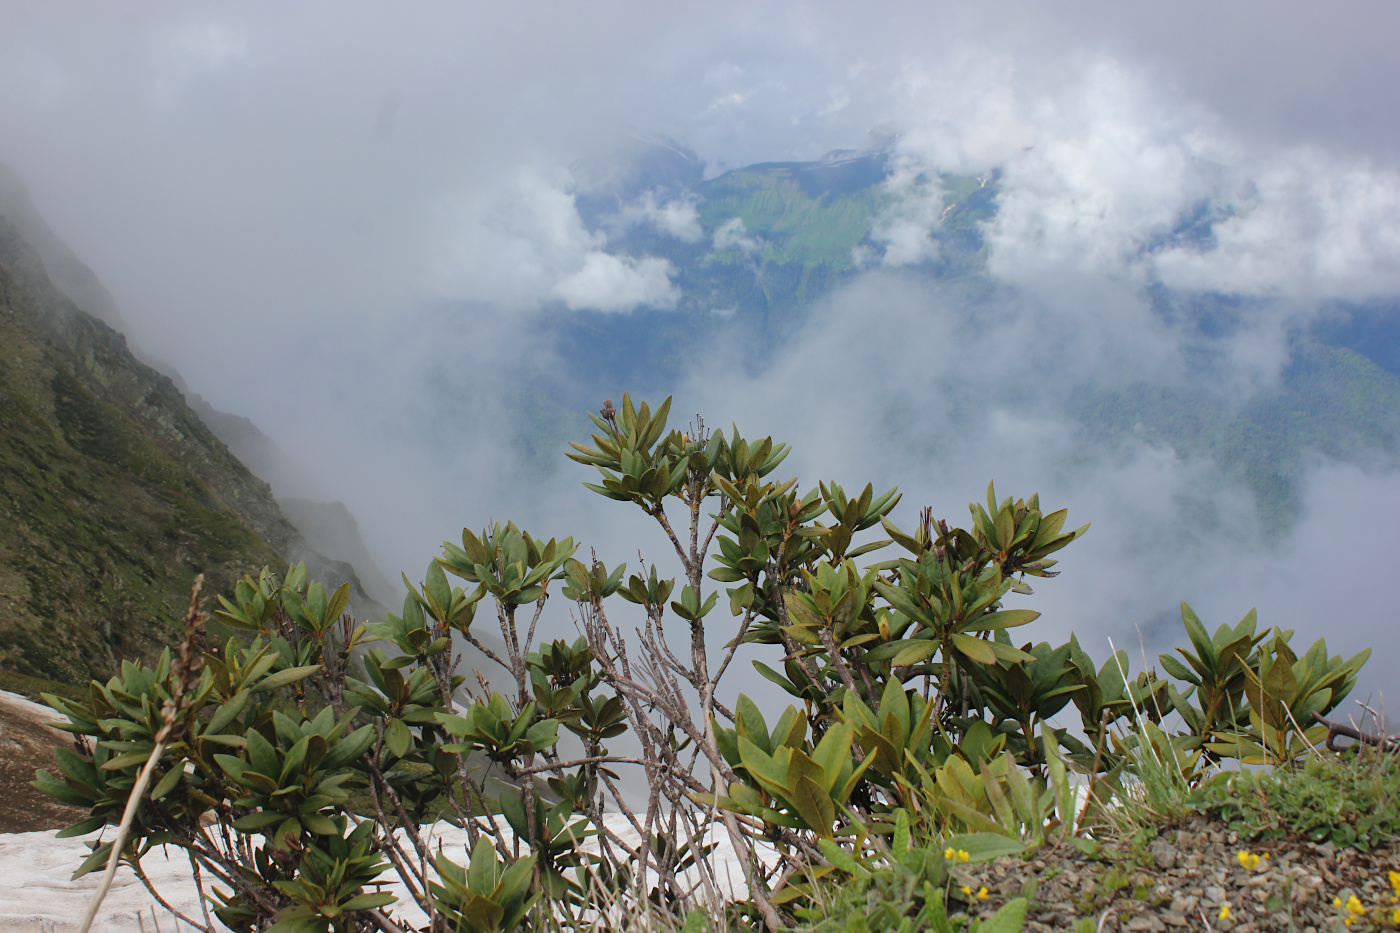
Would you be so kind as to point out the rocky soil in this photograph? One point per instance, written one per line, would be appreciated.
(1189, 875)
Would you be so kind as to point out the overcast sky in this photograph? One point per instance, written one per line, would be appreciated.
(294, 204)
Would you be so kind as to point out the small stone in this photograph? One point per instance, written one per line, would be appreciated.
(1164, 853)
(1214, 894)
(1193, 861)
(1174, 918)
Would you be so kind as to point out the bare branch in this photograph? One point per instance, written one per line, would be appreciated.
(1387, 743)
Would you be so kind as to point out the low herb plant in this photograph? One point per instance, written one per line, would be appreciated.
(1352, 801)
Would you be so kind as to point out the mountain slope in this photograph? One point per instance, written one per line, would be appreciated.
(113, 493)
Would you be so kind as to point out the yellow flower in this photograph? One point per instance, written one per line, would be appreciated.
(1336, 902)
(1354, 906)
(1395, 917)
(967, 891)
(1395, 884)
(1249, 860)
(956, 855)
(1224, 911)
(982, 894)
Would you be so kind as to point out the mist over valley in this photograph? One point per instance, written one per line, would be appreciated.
(391, 258)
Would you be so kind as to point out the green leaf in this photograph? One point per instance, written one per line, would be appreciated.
(899, 844)
(1178, 670)
(398, 738)
(368, 901)
(543, 734)
(914, 651)
(349, 748)
(252, 822)
(126, 760)
(977, 649)
(1009, 919)
(228, 712)
(81, 829)
(764, 769)
(769, 674)
(338, 601)
(98, 859)
(832, 752)
(839, 857)
(1016, 655)
(813, 804)
(984, 847)
(169, 781)
(283, 678)
(1006, 618)
(899, 599)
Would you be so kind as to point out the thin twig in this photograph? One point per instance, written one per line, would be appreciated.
(1387, 743)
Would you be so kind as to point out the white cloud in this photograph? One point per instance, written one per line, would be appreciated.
(1106, 172)
(207, 46)
(184, 54)
(522, 244)
(1312, 226)
(905, 226)
(510, 244)
(732, 234)
(619, 283)
(1098, 168)
(676, 217)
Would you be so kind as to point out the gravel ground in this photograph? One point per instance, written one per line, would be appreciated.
(1182, 879)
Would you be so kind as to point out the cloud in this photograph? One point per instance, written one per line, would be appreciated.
(259, 218)
(906, 224)
(1307, 225)
(511, 245)
(732, 234)
(523, 244)
(676, 217)
(619, 283)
